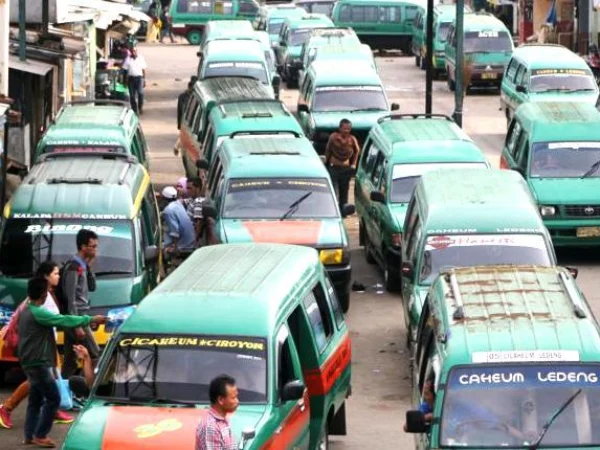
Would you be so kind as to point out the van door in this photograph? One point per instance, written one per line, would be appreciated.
(379, 210)
(293, 416)
(151, 235)
(363, 186)
(508, 91)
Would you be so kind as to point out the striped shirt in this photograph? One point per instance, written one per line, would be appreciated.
(214, 433)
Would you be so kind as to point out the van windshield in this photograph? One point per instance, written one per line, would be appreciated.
(507, 406)
(299, 36)
(349, 98)
(406, 176)
(565, 160)
(487, 42)
(254, 70)
(447, 251)
(272, 198)
(274, 26)
(28, 242)
(443, 29)
(568, 80)
(179, 368)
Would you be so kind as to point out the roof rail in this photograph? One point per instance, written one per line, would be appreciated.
(264, 133)
(105, 155)
(64, 180)
(573, 295)
(414, 116)
(100, 102)
(540, 44)
(459, 312)
(222, 103)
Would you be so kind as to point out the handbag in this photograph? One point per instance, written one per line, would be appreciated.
(66, 397)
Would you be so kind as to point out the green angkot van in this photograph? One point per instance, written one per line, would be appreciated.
(382, 24)
(226, 29)
(507, 357)
(546, 72)
(555, 146)
(63, 194)
(189, 17)
(266, 315)
(86, 127)
(270, 18)
(464, 218)
(205, 96)
(487, 46)
(347, 90)
(399, 149)
(276, 189)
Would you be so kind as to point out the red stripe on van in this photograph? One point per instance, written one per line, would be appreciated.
(320, 381)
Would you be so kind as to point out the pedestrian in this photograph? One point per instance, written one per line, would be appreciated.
(341, 155)
(166, 28)
(37, 356)
(136, 66)
(153, 32)
(78, 281)
(214, 431)
(193, 205)
(181, 186)
(183, 98)
(49, 270)
(179, 230)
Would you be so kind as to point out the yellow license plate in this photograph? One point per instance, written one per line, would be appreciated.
(489, 76)
(588, 232)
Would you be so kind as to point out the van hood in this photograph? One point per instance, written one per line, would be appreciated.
(566, 191)
(105, 427)
(398, 211)
(590, 97)
(363, 121)
(313, 233)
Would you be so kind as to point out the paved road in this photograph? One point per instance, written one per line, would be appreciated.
(381, 382)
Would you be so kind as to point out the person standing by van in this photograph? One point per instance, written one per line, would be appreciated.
(179, 229)
(341, 155)
(78, 281)
(136, 67)
(214, 431)
(166, 20)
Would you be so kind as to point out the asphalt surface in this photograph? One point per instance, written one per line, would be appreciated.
(380, 364)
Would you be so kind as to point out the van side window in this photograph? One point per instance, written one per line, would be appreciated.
(414, 239)
(345, 13)
(379, 165)
(513, 134)
(286, 370)
(412, 219)
(338, 315)
(224, 7)
(424, 332)
(409, 11)
(522, 150)
(152, 208)
(511, 69)
(140, 144)
(392, 13)
(191, 110)
(520, 77)
(197, 7)
(318, 316)
(208, 140)
(214, 173)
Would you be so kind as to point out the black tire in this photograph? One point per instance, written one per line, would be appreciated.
(323, 442)
(393, 281)
(344, 300)
(194, 37)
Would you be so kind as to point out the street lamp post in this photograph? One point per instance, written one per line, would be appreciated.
(460, 62)
(429, 60)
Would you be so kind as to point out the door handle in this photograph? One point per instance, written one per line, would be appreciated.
(302, 404)
(278, 430)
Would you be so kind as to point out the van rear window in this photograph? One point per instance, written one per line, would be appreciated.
(487, 41)
(84, 149)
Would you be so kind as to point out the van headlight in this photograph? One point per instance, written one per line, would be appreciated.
(547, 211)
(331, 256)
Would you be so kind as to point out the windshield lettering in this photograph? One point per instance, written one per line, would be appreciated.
(68, 228)
(493, 378)
(571, 377)
(197, 342)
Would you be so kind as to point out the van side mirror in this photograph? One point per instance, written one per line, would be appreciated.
(573, 271)
(395, 107)
(209, 211)
(521, 88)
(348, 209)
(303, 108)
(377, 196)
(78, 386)
(293, 390)
(202, 164)
(247, 434)
(151, 254)
(415, 422)
(407, 270)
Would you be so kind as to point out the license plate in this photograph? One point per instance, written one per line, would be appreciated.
(489, 76)
(588, 232)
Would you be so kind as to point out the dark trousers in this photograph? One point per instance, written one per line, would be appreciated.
(44, 400)
(340, 177)
(164, 31)
(136, 93)
(69, 366)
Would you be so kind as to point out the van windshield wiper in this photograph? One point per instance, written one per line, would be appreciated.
(367, 109)
(592, 169)
(552, 418)
(294, 206)
(113, 272)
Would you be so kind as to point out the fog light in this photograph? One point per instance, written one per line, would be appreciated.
(547, 211)
(331, 256)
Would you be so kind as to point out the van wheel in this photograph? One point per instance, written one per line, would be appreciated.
(344, 300)
(417, 61)
(393, 282)
(194, 37)
(323, 443)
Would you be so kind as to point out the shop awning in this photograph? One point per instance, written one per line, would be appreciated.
(502, 2)
(29, 66)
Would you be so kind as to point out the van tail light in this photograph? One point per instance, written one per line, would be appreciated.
(397, 239)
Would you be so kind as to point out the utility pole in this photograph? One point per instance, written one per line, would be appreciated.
(22, 35)
(45, 19)
(460, 62)
(4, 39)
(584, 11)
(429, 60)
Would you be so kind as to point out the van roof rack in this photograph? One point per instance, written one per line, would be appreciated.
(414, 116)
(573, 295)
(264, 133)
(64, 180)
(223, 103)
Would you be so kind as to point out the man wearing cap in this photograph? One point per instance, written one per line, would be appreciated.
(179, 232)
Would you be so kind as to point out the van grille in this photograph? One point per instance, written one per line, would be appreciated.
(582, 210)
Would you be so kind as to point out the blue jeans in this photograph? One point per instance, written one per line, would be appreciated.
(136, 93)
(44, 400)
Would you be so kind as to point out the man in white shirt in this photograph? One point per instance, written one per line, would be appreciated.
(135, 66)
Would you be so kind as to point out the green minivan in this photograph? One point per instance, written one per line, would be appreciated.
(464, 218)
(226, 29)
(399, 149)
(546, 72)
(277, 189)
(443, 16)
(347, 90)
(382, 24)
(487, 46)
(86, 127)
(556, 147)
(62, 194)
(270, 18)
(507, 357)
(266, 315)
(205, 96)
(189, 17)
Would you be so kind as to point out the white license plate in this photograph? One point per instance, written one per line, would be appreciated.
(489, 76)
(588, 232)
